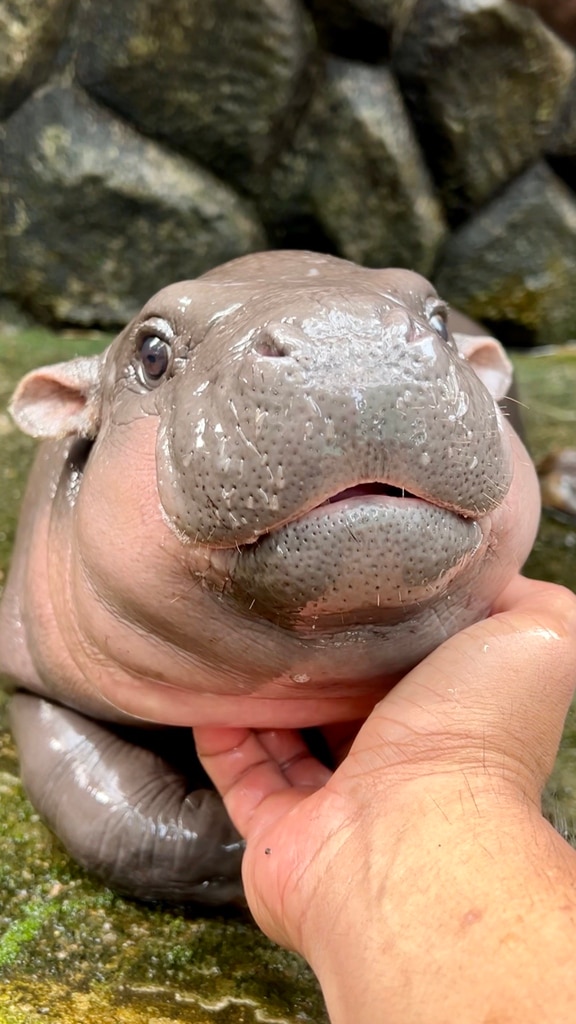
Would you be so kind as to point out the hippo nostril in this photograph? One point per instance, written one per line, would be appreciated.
(270, 346)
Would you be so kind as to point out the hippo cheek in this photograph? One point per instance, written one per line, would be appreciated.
(355, 562)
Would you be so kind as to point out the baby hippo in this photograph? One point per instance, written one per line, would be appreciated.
(279, 488)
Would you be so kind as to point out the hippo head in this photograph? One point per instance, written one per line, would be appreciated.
(296, 480)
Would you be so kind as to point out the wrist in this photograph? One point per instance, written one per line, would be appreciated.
(454, 878)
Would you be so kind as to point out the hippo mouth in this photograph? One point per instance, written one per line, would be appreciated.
(368, 490)
(368, 553)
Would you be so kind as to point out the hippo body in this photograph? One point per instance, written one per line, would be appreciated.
(279, 488)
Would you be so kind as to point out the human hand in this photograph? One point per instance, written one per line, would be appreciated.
(438, 800)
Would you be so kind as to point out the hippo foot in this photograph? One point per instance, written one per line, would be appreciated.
(130, 805)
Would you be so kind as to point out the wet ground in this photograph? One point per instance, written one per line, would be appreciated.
(71, 951)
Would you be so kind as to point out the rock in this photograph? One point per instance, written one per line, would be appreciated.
(98, 219)
(561, 146)
(514, 263)
(365, 185)
(559, 14)
(468, 70)
(215, 80)
(30, 34)
(557, 474)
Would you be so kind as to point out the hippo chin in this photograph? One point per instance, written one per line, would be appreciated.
(277, 490)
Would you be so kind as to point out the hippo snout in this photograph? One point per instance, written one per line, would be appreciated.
(302, 412)
(313, 454)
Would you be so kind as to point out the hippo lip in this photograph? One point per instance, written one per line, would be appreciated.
(370, 491)
(371, 567)
(385, 506)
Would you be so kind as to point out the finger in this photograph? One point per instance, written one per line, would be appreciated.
(291, 753)
(537, 597)
(252, 768)
(532, 628)
(528, 648)
(507, 680)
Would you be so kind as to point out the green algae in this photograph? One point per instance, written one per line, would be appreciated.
(547, 379)
(71, 950)
(23, 930)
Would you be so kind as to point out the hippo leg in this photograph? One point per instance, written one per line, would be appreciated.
(126, 809)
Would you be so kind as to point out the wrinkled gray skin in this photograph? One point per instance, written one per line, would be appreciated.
(279, 488)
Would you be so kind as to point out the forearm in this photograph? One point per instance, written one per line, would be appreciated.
(471, 934)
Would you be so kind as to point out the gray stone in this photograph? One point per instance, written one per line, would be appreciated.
(30, 34)
(514, 264)
(358, 15)
(484, 81)
(215, 80)
(357, 172)
(561, 146)
(559, 14)
(98, 219)
(286, 206)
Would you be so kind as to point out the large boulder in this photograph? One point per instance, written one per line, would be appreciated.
(366, 185)
(99, 218)
(472, 76)
(371, 129)
(215, 80)
(30, 35)
(514, 263)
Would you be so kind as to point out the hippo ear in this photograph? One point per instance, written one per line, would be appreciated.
(54, 401)
(489, 360)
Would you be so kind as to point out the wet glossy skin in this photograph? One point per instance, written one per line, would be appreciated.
(294, 486)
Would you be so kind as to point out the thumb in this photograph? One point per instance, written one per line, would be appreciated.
(495, 694)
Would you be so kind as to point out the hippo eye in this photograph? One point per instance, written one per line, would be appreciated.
(438, 323)
(154, 354)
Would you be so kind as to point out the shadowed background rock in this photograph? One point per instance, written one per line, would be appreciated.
(144, 143)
